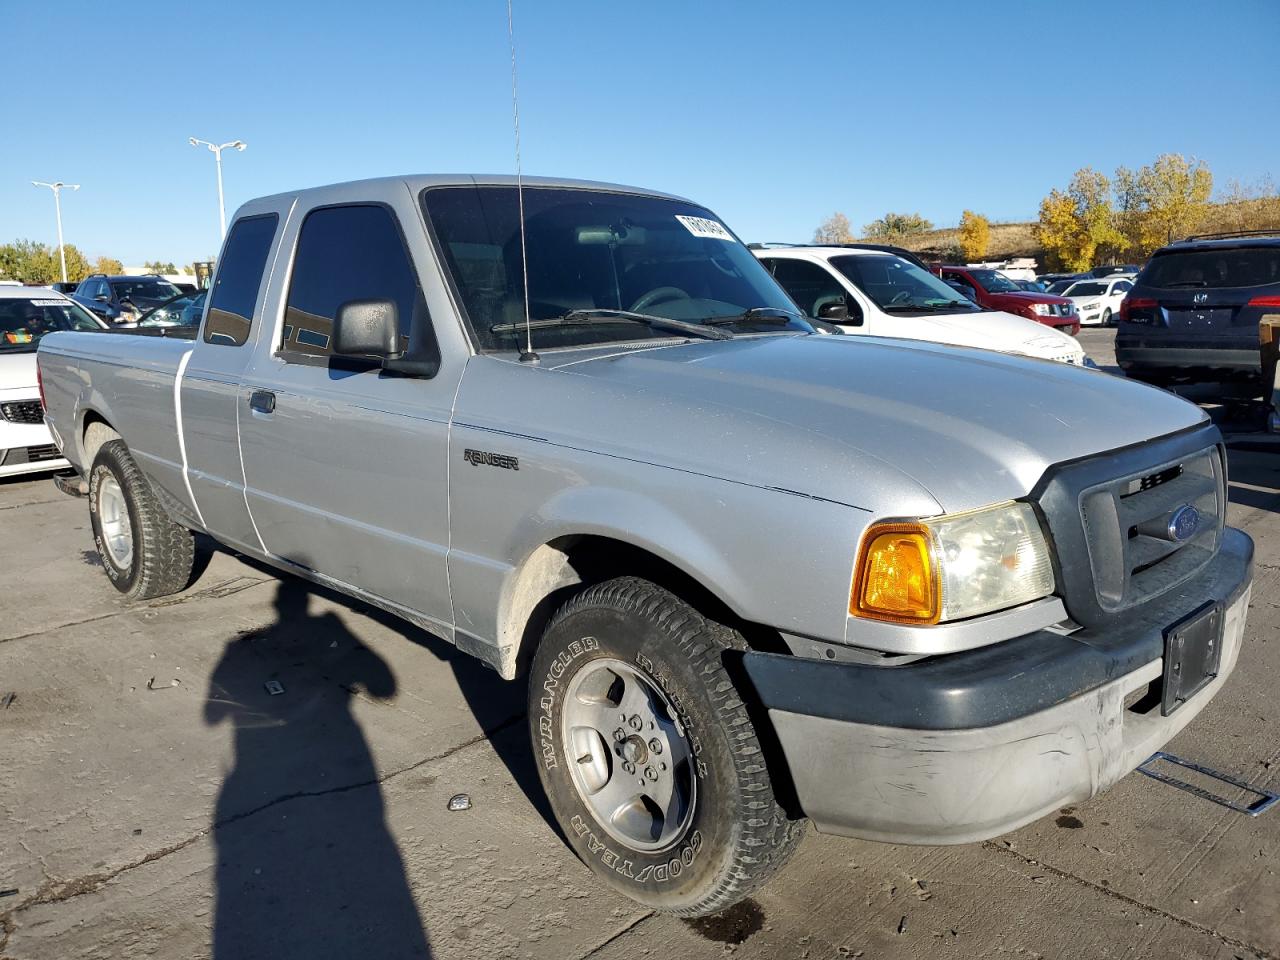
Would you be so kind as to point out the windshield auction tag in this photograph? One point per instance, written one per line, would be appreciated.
(49, 303)
(702, 227)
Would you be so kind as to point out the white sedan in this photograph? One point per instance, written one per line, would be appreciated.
(872, 290)
(26, 315)
(1097, 301)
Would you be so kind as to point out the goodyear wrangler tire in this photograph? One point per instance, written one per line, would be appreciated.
(144, 553)
(648, 756)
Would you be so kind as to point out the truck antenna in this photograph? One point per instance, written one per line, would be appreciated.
(526, 355)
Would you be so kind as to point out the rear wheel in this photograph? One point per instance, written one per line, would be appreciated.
(649, 758)
(144, 553)
(1106, 317)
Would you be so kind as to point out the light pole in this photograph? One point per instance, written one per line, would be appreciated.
(56, 187)
(217, 155)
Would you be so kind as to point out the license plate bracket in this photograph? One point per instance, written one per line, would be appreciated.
(1192, 654)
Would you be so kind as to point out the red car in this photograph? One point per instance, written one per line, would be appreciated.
(994, 291)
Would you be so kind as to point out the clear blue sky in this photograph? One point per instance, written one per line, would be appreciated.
(773, 114)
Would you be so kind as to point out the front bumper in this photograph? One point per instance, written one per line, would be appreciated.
(966, 747)
(27, 448)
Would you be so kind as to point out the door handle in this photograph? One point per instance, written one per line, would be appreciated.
(262, 401)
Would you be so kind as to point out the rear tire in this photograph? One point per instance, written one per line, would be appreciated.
(649, 757)
(1106, 317)
(144, 553)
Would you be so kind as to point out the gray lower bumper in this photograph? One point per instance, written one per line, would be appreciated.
(950, 784)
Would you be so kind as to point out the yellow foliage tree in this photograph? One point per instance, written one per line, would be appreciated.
(975, 235)
(1076, 224)
(108, 265)
(1162, 202)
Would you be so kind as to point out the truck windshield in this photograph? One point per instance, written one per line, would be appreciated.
(594, 250)
(24, 321)
(993, 281)
(894, 282)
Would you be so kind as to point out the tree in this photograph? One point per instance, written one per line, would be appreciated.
(1076, 224)
(33, 262)
(108, 265)
(895, 226)
(1163, 201)
(975, 235)
(159, 266)
(834, 229)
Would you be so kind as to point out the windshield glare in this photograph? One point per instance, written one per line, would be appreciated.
(156, 290)
(1086, 290)
(592, 249)
(24, 322)
(182, 310)
(894, 282)
(993, 281)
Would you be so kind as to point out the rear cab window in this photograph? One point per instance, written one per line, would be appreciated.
(1220, 267)
(238, 280)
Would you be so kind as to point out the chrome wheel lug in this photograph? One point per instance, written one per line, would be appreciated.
(635, 722)
(655, 745)
(628, 766)
(662, 766)
(619, 735)
(651, 773)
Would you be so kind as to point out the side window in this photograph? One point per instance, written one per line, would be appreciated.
(239, 277)
(808, 284)
(349, 253)
(1124, 286)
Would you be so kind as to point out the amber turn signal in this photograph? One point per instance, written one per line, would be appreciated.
(896, 577)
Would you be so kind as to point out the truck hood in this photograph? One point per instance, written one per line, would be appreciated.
(896, 427)
(1027, 297)
(18, 370)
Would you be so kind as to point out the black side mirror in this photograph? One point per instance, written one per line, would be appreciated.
(836, 312)
(367, 328)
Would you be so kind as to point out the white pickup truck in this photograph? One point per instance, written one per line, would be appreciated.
(753, 575)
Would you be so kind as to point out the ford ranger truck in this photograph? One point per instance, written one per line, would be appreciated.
(751, 576)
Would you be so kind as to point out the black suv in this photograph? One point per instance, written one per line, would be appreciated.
(121, 300)
(1194, 310)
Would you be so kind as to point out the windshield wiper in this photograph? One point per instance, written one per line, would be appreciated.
(593, 315)
(768, 314)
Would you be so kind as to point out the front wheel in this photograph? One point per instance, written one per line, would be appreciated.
(649, 757)
(144, 553)
(1106, 318)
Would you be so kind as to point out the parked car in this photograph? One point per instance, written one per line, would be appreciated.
(1097, 301)
(993, 290)
(67, 287)
(183, 310)
(27, 314)
(869, 290)
(914, 593)
(1031, 286)
(1058, 286)
(1049, 279)
(1194, 310)
(1123, 269)
(122, 300)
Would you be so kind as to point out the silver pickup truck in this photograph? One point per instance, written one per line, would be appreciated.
(754, 575)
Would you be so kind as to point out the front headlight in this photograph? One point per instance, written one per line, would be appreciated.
(952, 567)
(1040, 309)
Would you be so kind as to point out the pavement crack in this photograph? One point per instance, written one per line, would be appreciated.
(63, 626)
(59, 891)
(1125, 898)
(617, 934)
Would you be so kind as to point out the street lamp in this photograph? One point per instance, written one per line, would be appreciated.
(56, 187)
(217, 155)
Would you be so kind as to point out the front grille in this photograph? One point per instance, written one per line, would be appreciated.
(18, 455)
(22, 411)
(1132, 554)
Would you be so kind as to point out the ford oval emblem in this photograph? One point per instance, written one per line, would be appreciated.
(1184, 523)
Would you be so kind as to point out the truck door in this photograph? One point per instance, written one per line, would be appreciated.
(346, 464)
(210, 384)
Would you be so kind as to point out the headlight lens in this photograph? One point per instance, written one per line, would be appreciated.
(1040, 309)
(952, 567)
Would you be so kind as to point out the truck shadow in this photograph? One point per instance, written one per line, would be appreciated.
(1254, 479)
(306, 865)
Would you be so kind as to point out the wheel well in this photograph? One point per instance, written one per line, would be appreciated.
(96, 432)
(560, 568)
